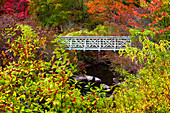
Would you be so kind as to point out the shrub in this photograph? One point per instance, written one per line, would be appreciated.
(20, 8)
(21, 71)
(7, 28)
(8, 33)
(34, 85)
(148, 91)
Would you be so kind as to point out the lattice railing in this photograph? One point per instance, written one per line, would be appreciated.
(96, 42)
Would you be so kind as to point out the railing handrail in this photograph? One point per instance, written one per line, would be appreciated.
(96, 42)
(63, 37)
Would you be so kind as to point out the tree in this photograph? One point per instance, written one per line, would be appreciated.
(158, 12)
(118, 11)
(58, 13)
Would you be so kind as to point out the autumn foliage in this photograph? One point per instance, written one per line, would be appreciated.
(35, 85)
(35, 69)
(20, 8)
(148, 90)
(159, 14)
(111, 10)
(153, 15)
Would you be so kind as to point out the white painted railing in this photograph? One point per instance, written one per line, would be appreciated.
(96, 42)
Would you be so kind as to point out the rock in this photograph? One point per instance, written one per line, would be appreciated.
(116, 80)
(79, 78)
(86, 77)
(83, 81)
(92, 78)
(89, 78)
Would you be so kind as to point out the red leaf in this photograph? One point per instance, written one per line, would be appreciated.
(55, 92)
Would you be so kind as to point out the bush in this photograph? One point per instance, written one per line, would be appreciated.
(148, 91)
(34, 85)
(8, 33)
(12, 7)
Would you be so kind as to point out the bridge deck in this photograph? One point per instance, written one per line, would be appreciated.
(96, 42)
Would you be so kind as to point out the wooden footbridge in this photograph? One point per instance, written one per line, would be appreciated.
(96, 42)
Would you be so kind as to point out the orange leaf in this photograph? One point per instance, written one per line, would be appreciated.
(3, 53)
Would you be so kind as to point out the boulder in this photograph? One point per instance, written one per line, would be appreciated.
(86, 77)
(92, 78)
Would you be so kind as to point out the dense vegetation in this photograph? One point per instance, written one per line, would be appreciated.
(35, 69)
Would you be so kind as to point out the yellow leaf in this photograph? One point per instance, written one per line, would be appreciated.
(7, 91)
(52, 59)
(4, 61)
(68, 62)
(14, 94)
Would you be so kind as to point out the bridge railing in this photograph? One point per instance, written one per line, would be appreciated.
(96, 42)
